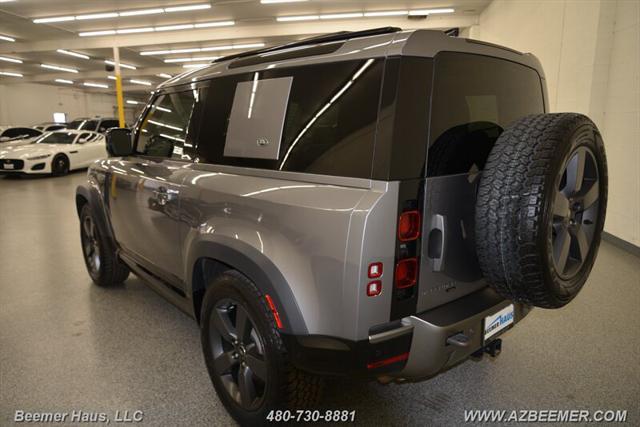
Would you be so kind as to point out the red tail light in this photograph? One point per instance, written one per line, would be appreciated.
(409, 226)
(406, 273)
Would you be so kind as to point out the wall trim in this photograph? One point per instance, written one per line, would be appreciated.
(621, 243)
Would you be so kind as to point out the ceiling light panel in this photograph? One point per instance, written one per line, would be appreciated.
(206, 58)
(164, 75)
(203, 49)
(99, 85)
(59, 68)
(7, 73)
(281, 1)
(374, 14)
(130, 67)
(7, 59)
(70, 53)
(125, 13)
(64, 81)
(7, 38)
(157, 29)
(140, 82)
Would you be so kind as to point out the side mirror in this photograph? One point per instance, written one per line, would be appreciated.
(119, 142)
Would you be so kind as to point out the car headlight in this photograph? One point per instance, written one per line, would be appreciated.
(43, 156)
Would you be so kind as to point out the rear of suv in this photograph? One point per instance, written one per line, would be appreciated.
(380, 204)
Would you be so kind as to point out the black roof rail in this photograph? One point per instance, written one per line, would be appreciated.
(325, 38)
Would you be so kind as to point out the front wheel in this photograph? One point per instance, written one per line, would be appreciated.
(245, 355)
(103, 264)
(60, 165)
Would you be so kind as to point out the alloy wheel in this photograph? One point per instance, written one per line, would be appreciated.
(575, 212)
(90, 245)
(238, 353)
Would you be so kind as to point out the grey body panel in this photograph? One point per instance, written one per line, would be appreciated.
(310, 232)
(449, 267)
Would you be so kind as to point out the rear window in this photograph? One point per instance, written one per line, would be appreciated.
(474, 99)
(328, 126)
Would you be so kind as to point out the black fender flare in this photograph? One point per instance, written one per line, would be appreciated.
(94, 200)
(260, 270)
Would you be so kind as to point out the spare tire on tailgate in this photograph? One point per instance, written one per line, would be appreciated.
(541, 207)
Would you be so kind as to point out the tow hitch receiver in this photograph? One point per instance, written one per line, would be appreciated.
(493, 349)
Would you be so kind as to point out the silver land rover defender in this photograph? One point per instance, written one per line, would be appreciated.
(380, 204)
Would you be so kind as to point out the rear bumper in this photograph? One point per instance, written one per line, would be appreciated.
(430, 353)
(411, 349)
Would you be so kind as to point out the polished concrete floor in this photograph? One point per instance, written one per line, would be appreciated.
(68, 345)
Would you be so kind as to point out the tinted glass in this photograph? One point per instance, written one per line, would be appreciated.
(474, 99)
(329, 122)
(164, 132)
(89, 125)
(108, 124)
(22, 132)
(75, 124)
(57, 138)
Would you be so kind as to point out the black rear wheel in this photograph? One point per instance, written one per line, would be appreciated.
(245, 355)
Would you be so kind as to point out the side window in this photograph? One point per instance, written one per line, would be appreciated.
(108, 124)
(91, 125)
(474, 99)
(84, 137)
(164, 132)
(319, 119)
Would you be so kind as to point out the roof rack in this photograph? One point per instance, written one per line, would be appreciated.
(325, 38)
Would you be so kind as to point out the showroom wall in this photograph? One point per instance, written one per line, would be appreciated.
(590, 51)
(76, 103)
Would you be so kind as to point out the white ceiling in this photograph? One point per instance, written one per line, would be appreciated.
(36, 43)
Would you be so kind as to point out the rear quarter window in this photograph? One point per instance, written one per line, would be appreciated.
(474, 99)
(329, 120)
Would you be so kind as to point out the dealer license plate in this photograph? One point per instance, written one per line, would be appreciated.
(497, 322)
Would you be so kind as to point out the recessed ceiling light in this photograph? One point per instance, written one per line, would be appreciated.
(131, 67)
(7, 38)
(297, 18)
(106, 15)
(341, 15)
(142, 12)
(207, 58)
(14, 60)
(132, 102)
(65, 81)
(59, 68)
(7, 73)
(100, 85)
(386, 13)
(111, 77)
(419, 12)
(76, 54)
(157, 29)
(164, 75)
(202, 49)
(140, 82)
(194, 65)
(97, 16)
(187, 7)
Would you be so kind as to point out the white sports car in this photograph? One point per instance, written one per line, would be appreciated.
(54, 153)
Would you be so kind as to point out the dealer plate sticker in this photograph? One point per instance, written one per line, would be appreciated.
(498, 321)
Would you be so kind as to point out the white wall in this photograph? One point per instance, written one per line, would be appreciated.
(590, 51)
(28, 104)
